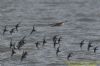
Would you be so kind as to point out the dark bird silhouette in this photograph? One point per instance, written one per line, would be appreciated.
(17, 26)
(12, 31)
(69, 55)
(89, 46)
(33, 30)
(55, 43)
(11, 44)
(59, 39)
(57, 51)
(24, 54)
(13, 52)
(55, 38)
(5, 30)
(44, 41)
(95, 49)
(81, 43)
(21, 43)
(37, 44)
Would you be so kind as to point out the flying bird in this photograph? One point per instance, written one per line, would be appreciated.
(12, 31)
(37, 44)
(89, 46)
(24, 54)
(57, 51)
(59, 39)
(54, 44)
(33, 30)
(5, 30)
(11, 44)
(17, 26)
(69, 55)
(81, 43)
(95, 49)
(21, 43)
(44, 41)
(55, 38)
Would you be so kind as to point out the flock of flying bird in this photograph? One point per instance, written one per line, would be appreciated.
(56, 41)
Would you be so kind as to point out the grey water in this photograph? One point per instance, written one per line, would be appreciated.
(81, 22)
